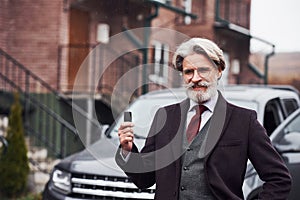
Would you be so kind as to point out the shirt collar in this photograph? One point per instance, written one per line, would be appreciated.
(210, 104)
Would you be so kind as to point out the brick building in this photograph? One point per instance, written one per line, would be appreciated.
(52, 38)
(48, 41)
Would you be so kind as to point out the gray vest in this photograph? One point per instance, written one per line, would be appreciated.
(193, 184)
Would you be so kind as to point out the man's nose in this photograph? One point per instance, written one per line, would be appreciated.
(196, 77)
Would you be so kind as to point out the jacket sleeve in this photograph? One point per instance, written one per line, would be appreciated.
(136, 168)
(140, 166)
(268, 163)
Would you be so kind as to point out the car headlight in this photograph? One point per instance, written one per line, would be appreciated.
(61, 181)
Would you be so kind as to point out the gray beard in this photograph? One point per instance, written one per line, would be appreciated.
(200, 96)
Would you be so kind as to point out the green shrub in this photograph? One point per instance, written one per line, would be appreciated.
(14, 168)
(31, 197)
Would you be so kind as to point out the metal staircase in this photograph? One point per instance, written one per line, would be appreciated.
(42, 106)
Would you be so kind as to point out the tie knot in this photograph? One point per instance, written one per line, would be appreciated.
(200, 109)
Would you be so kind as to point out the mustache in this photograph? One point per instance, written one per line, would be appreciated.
(201, 84)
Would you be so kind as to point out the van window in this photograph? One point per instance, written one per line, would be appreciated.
(273, 116)
(294, 125)
(290, 105)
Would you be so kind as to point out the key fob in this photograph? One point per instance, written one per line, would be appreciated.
(127, 116)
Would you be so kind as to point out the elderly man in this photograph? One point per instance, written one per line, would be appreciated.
(198, 149)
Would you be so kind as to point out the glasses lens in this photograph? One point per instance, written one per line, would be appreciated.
(202, 71)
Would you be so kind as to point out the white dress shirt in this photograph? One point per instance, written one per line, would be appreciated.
(206, 115)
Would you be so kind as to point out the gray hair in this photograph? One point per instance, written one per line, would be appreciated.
(199, 46)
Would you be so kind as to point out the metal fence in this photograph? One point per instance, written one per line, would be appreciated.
(43, 121)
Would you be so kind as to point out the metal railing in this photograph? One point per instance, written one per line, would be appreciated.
(42, 117)
(233, 11)
(120, 66)
(42, 130)
(111, 75)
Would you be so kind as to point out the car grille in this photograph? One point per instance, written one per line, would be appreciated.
(87, 186)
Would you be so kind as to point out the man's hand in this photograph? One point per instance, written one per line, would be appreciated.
(126, 136)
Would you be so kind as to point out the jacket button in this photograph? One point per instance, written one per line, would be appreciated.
(185, 168)
(182, 188)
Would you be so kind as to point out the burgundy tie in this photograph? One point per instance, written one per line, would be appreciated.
(193, 127)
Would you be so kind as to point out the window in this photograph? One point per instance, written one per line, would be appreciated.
(187, 4)
(160, 60)
(290, 105)
(290, 139)
(294, 125)
(197, 7)
(273, 115)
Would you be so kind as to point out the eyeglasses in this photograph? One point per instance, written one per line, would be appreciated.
(202, 71)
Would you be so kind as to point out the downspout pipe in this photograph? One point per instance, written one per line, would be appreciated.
(267, 57)
(147, 30)
(266, 64)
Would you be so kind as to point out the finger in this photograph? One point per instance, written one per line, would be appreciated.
(125, 131)
(126, 139)
(125, 125)
(126, 135)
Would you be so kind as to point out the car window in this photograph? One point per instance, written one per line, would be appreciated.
(291, 134)
(273, 115)
(293, 126)
(290, 105)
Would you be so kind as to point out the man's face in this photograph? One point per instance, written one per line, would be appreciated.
(200, 76)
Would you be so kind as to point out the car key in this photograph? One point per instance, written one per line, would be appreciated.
(127, 116)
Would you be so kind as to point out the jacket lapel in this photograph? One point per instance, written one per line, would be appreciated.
(219, 121)
(176, 137)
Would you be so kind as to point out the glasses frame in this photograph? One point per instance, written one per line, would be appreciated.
(203, 72)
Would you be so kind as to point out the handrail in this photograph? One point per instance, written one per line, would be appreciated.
(17, 77)
(232, 13)
(42, 106)
(48, 87)
(27, 71)
(64, 124)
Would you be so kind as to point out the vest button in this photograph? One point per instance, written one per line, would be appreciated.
(182, 188)
(185, 168)
(189, 149)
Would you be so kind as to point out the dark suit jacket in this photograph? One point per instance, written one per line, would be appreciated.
(234, 136)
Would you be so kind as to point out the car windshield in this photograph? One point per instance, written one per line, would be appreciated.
(143, 111)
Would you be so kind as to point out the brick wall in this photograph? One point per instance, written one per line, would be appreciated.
(3, 23)
(32, 31)
(32, 34)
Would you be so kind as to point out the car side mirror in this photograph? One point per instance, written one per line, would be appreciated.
(4, 143)
(104, 130)
(289, 143)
